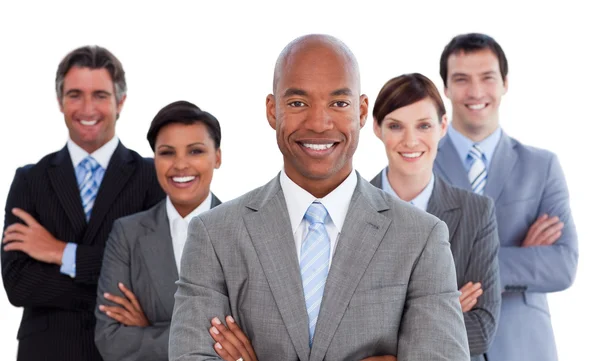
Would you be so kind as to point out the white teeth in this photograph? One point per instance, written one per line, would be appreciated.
(317, 146)
(88, 122)
(183, 179)
(412, 155)
(476, 106)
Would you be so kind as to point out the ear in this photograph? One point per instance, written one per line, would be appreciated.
(218, 156)
(271, 111)
(444, 126)
(120, 104)
(364, 110)
(60, 105)
(446, 91)
(377, 129)
(505, 85)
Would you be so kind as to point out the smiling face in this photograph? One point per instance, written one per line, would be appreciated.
(317, 113)
(411, 135)
(90, 107)
(185, 158)
(475, 88)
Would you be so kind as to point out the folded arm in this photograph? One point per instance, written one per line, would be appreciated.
(545, 268)
(432, 324)
(201, 295)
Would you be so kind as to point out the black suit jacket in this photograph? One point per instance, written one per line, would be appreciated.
(58, 318)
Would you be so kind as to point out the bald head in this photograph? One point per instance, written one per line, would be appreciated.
(317, 44)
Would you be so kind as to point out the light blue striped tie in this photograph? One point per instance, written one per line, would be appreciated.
(314, 263)
(89, 176)
(477, 173)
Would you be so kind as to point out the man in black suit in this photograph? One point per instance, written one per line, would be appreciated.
(60, 211)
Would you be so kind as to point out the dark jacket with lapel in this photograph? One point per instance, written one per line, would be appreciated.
(139, 253)
(58, 320)
(471, 222)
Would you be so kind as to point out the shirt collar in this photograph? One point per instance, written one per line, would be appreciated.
(102, 155)
(336, 202)
(420, 201)
(173, 215)
(463, 145)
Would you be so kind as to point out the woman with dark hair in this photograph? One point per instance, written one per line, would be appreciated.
(410, 119)
(141, 264)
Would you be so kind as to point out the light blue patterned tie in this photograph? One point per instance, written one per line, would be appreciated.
(477, 173)
(89, 176)
(314, 263)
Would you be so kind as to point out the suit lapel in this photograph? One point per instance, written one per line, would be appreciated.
(271, 233)
(363, 230)
(120, 169)
(377, 181)
(449, 164)
(63, 181)
(157, 249)
(505, 158)
(444, 205)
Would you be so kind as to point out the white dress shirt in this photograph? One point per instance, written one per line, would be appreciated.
(420, 201)
(102, 155)
(179, 226)
(337, 202)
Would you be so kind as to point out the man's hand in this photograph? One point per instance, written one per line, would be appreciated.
(130, 314)
(33, 239)
(231, 342)
(543, 232)
(469, 294)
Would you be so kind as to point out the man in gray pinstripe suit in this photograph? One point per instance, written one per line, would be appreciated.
(390, 287)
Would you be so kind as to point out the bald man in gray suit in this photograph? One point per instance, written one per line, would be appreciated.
(318, 264)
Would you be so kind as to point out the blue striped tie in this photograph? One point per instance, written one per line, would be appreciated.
(89, 176)
(477, 173)
(314, 263)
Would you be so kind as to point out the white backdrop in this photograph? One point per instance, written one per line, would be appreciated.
(220, 55)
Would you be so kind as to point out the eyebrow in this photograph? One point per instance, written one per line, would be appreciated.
(418, 120)
(342, 91)
(189, 145)
(296, 91)
(75, 90)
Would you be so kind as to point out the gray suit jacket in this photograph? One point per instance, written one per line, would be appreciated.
(471, 222)
(391, 288)
(139, 253)
(525, 182)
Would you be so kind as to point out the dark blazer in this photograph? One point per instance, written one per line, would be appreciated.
(58, 319)
(139, 253)
(471, 222)
(524, 182)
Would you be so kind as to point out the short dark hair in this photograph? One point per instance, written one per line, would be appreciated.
(184, 112)
(469, 43)
(93, 57)
(405, 90)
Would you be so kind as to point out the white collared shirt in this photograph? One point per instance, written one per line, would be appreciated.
(102, 155)
(337, 202)
(420, 201)
(179, 226)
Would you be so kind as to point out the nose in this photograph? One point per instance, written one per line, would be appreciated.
(180, 163)
(88, 106)
(319, 119)
(475, 90)
(410, 138)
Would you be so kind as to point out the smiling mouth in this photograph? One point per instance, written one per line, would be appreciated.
(317, 147)
(412, 155)
(477, 106)
(88, 123)
(183, 180)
